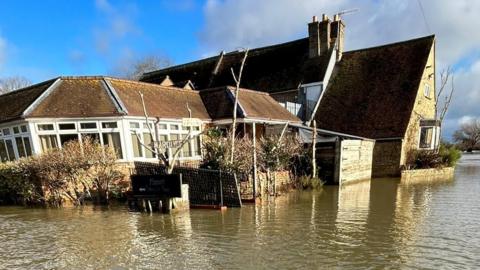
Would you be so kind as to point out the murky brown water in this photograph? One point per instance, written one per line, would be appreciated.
(376, 225)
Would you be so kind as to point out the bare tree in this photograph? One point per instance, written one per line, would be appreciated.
(9, 84)
(134, 70)
(237, 80)
(468, 136)
(445, 92)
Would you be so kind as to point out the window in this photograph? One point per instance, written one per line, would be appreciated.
(91, 125)
(174, 137)
(65, 138)
(6, 131)
(20, 147)
(95, 137)
(137, 147)
(164, 138)
(426, 135)
(186, 149)
(45, 127)
(10, 152)
(426, 90)
(3, 152)
(134, 125)
(198, 146)
(109, 125)
(16, 130)
(112, 140)
(162, 126)
(147, 140)
(64, 126)
(146, 127)
(48, 142)
(27, 145)
(23, 129)
(174, 127)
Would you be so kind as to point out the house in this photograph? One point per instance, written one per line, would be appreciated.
(51, 113)
(385, 93)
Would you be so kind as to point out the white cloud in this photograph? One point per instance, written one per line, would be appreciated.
(230, 24)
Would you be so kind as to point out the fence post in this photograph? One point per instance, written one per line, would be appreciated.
(221, 188)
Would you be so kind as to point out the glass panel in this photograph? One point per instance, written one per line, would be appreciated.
(48, 142)
(186, 149)
(94, 136)
(69, 126)
(137, 148)
(11, 153)
(20, 148)
(198, 146)
(164, 138)
(174, 127)
(146, 127)
(44, 127)
(28, 147)
(196, 128)
(16, 130)
(185, 128)
(23, 129)
(162, 126)
(88, 125)
(134, 125)
(65, 138)
(113, 140)
(3, 151)
(6, 131)
(174, 137)
(109, 125)
(426, 137)
(147, 140)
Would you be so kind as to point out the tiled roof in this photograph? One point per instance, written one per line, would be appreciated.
(13, 104)
(372, 91)
(77, 97)
(252, 105)
(160, 101)
(268, 69)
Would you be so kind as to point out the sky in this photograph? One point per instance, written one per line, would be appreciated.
(44, 39)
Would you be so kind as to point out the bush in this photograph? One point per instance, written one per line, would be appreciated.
(446, 156)
(307, 182)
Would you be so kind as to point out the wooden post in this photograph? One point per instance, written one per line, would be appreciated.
(314, 149)
(254, 161)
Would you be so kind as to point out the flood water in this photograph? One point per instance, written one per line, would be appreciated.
(377, 225)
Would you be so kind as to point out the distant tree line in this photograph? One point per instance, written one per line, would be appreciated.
(467, 138)
(9, 84)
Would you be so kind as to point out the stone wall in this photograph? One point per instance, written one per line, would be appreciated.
(427, 175)
(356, 160)
(386, 158)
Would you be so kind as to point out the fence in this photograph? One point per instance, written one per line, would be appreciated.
(206, 187)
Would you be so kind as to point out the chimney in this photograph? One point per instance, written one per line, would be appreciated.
(314, 38)
(324, 34)
(337, 35)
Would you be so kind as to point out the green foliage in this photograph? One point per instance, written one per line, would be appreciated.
(446, 156)
(71, 173)
(307, 182)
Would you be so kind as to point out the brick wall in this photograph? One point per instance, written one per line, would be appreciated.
(386, 158)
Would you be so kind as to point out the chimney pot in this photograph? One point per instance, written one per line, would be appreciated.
(336, 18)
(324, 17)
(314, 19)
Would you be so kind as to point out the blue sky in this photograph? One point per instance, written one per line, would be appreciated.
(43, 39)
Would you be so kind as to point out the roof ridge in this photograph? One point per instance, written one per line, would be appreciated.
(391, 44)
(171, 88)
(29, 87)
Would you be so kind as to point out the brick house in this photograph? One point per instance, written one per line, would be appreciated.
(385, 93)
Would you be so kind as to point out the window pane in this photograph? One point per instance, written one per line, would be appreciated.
(196, 128)
(65, 138)
(6, 131)
(113, 140)
(174, 137)
(162, 126)
(20, 148)
(48, 142)
(147, 140)
(109, 125)
(28, 147)
(23, 129)
(10, 152)
(44, 127)
(164, 138)
(3, 151)
(137, 148)
(95, 137)
(426, 137)
(185, 128)
(16, 130)
(198, 146)
(88, 125)
(134, 125)
(146, 127)
(70, 126)
(174, 127)
(186, 149)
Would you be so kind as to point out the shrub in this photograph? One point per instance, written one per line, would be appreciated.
(307, 182)
(446, 156)
(449, 154)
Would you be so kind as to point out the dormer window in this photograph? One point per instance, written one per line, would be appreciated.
(426, 90)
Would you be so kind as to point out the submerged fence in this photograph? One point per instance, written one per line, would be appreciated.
(206, 187)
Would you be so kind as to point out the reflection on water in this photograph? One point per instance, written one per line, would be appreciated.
(378, 224)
